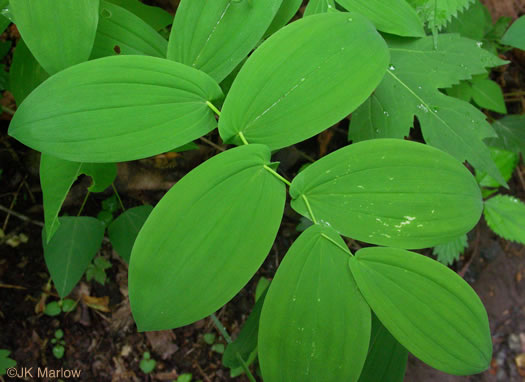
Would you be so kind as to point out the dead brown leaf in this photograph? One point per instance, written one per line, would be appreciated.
(97, 303)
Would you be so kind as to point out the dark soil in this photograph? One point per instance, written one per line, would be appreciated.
(102, 340)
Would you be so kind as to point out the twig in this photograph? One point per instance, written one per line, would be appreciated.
(215, 146)
(13, 203)
(10, 286)
(8, 110)
(520, 176)
(21, 217)
(475, 252)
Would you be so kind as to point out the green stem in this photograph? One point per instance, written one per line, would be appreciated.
(83, 203)
(212, 106)
(243, 138)
(246, 368)
(277, 175)
(309, 208)
(118, 197)
(220, 327)
(346, 250)
(8, 110)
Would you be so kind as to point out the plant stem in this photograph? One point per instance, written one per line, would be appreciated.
(246, 368)
(8, 110)
(277, 175)
(243, 138)
(118, 197)
(346, 250)
(212, 106)
(220, 327)
(83, 203)
(309, 208)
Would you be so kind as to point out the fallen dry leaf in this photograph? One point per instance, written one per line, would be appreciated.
(97, 303)
(162, 343)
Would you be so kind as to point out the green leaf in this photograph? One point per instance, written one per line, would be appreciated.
(124, 229)
(315, 325)
(303, 79)
(261, 287)
(394, 16)
(462, 91)
(130, 107)
(473, 23)
(410, 88)
(209, 338)
(5, 361)
(511, 133)
(56, 178)
(506, 162)
(505, 215)
(190, 253)
(427, 307)
(122, 32)
(488, 95)
(514, 35)
(449, 252)
(218, 348)
(186, 377)
(372, 191)
(246, 341)
(439, 12)
(68, 305)
(71, 250)
(216, 36)
(387, 358)
(25, 73)
(157, 17)
(147, 365)
(318, 6)
(58, 33)
(52, 309)
(286, 12)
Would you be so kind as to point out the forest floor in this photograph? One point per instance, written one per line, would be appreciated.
(100, 336)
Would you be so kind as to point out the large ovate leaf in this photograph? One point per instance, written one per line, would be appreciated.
(215, 36)
(449, 252)
(437, 13)
(387, 359)
(122, 32)
(394, 16)
(58, 33)
(514, 35)
(511, 133)
(303, 79)
(25, 73)
(205, 239)
(123, 230)
(71, 250)
(427, 307)
(410, 88)
(315, 325)
(372, 191)
(116, 109)
(285, 13)
(57, 177)
(157, 17)
(505, 215)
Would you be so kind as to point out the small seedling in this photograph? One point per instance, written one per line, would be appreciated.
(209, 338)
(97, 270)
(59, 344)
(186, 377)
(147, 364)
(54, 308)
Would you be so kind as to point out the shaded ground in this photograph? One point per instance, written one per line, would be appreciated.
(100, 335)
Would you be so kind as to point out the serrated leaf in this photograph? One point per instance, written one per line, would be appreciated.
(372, 191)
(511, 133)
(25, 73)
(122, 32)
(427, 307)
(56, 178)
(505, 215)
(506, 162)
(514, 35)
(71, 249)
(474, 23)
(437, 13)
(387, 359)
(462, 91)
(124, 230)
(318, 6)
(286, 12)
(487, 94)
(132, 106)
(216, 36)
(189, 250)
(315, 325)
(303, 79)
(449, 252)
(58, 33)
(157, 17)
(246, 342)
(394, 16)
(410, 88)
